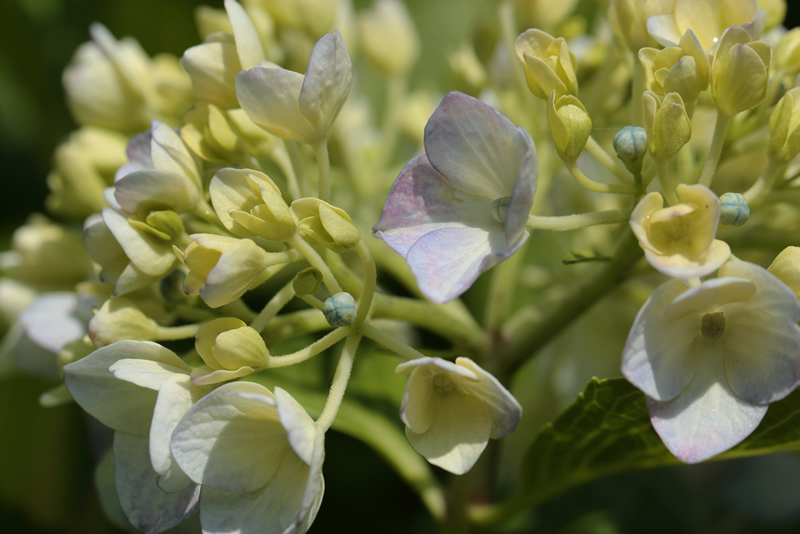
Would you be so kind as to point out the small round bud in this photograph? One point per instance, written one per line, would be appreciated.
(712, 325)
(340, 310)
(500, 209)
(630, 143)
(734, 209)
(307, 281)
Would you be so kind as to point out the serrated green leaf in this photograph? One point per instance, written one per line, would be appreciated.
(607, 431)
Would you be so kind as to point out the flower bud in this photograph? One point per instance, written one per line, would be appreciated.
(248, 203)
(784, 127)
(570, 125)
(667, 124)
(630, 144)
(787, 52)
(211, 135)
(340, 310)
(786, 266)
(167, 222)
(549, 64)
(468, 70)
(324, 224)
(83, 167)
(307, 282)
(739, 71)
(629, 20)
(388, 36)
(230, 344)
(683, 69)
(222, 269)
(119, 319)
(734, 209)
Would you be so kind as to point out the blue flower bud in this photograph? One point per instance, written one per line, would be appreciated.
(340, 310)
(734, 209)
(631, 144)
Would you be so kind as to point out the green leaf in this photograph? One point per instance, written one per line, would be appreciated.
(582, 256)
(607, 431)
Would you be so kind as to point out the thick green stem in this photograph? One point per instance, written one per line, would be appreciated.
(764, 184)
(316, 261)
(637, 110)
(324, 166)
(391, 342)
(626, 253)
(370, 280)
(395, 100)
(508, 32)
(291, 325)
(275, 304)
(171, 333)
(662, 169)
(339, 385)
(710, 166)
(299, 169)
(562, 223)
(281, 158)
(598, 187)
(611, 163)
(323, 343)
(501, 292)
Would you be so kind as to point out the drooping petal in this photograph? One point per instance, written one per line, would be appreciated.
(447, 261)
(681, 267)
(170, 153)
(416, 411)
(280, 113)
(301, 431)
(663, 29)
(233, 442)
(116, 403)
(327, 82)
(145, 373)
(761, 338)
(238, 267)
(149, 254)
(175, 397)
(421, 201)
(248, 45)
(53, 320)
(707, 418)
(146, 506)
(709, 296)
(213, 67)
(659, 355)
(504, 410)
(156, 189)
(458, 434)
(205, 375)
(475, 147)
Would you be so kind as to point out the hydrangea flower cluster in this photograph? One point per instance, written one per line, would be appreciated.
(216, 243)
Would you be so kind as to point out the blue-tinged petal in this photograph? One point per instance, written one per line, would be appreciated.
(659, 356)
(521, 202)
(475, 147)
(761, 338)
(447, 261)
(147, 507)
(707, 418)
(421, 201)
(156, 189)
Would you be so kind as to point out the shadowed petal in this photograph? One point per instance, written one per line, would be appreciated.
(475, 147)
(327, 82)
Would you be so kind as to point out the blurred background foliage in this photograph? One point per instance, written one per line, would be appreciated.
(46, 460)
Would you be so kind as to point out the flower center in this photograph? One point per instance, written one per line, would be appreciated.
(442, 383)
(712, 325)
(676, 228)
(500, 209)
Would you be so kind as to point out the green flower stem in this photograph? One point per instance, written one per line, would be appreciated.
(508, 32)
(350, 281)
(237, 309)
(710, 166)
(370, 280)
(582, 296)
(312, 301)
(562, 223)
(390, 342)
(323, 343)
(772, 91)
(275, 304)
(299, 169)
(395, 100)
(662, 170)
(637, 110)
(611, 163)
(764, 184)
(295, 324)
(501, 293)
(339, 385)
(597, 187)
(171, 333)
(316, 261)
(324, 165)
(190, 313)
(206, 213)
(438, 319)
(280, 156)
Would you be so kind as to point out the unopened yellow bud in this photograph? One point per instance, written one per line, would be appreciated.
(784, 127)
(211, 135)
(388, 36)
(570, 125)
(739, 72)
(118, 319)
(307, 282)
(682, 69)
(230, 344)
(324, 224)
(168, 222)
(787, 52)
(549, 64)
(667, 124)
(629, 20)
(786, 266)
